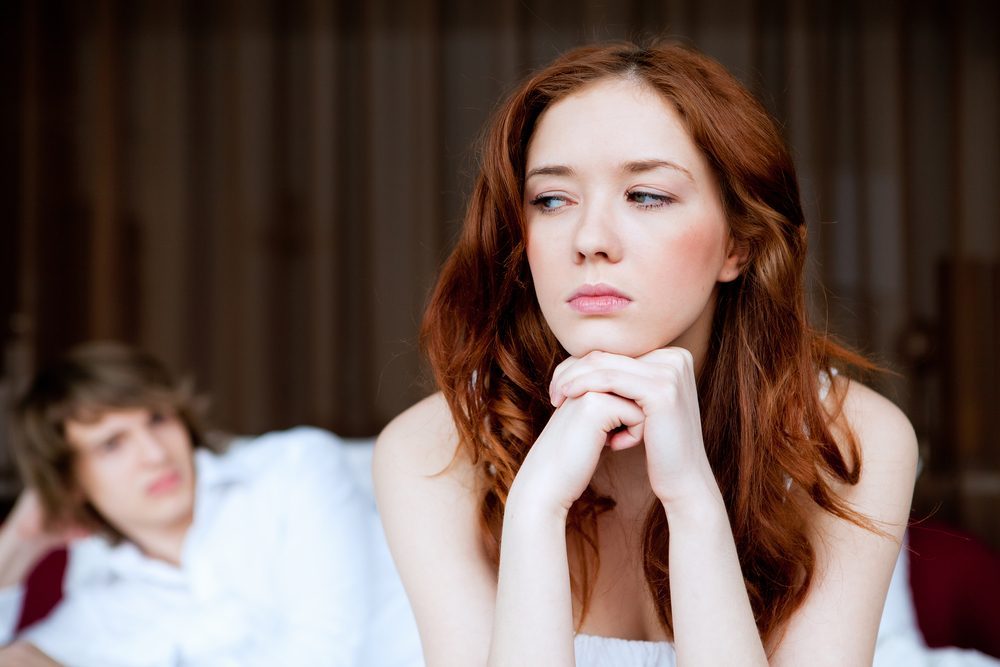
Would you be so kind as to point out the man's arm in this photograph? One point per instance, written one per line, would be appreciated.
(24, 541)
(23, 654)
(323, 574)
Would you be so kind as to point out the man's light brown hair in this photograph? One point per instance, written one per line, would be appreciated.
(86, 383)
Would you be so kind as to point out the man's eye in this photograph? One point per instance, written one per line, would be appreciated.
(156, 417)
(111, 444)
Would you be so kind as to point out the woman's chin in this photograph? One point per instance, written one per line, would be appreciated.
(622, 346)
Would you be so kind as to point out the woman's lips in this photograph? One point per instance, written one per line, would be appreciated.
(164, 484)
(598, 300)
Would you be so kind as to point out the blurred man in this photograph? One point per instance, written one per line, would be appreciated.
(266, 553)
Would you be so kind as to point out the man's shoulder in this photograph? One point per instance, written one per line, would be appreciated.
(302, 446)
(305, 460)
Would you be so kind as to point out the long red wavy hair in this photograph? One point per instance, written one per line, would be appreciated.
(764, 425)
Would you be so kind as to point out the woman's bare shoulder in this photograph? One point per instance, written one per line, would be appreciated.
(854, 563)
(882, 431)
(421, 441)
(418, 463)
(887, 446)
(425, 486)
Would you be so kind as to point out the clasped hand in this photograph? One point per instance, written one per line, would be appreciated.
(609, 400)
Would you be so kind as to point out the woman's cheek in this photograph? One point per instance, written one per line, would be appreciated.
(692, 256)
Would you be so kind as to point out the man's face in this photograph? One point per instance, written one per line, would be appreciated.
(136, 467)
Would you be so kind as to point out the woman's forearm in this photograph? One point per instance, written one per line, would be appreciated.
(533, 623)
(712, 618)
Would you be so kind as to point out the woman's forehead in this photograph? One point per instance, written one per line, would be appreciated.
(615, 122)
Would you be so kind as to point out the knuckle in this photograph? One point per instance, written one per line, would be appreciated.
(659, 355)
(562, 366)
(672, 373)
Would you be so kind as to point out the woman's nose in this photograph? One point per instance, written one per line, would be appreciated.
(596, 236)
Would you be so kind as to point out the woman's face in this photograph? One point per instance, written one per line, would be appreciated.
(626, 233)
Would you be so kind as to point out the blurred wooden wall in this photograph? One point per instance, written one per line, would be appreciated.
(261, 191)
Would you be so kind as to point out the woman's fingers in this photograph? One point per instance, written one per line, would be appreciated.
(646, 380)
(561, 463)
(604, 411)
(572, 368)
(625, 437)
(662, 385)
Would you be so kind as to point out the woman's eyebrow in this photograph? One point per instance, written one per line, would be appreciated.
(639, 166)
(550, 170)
(630, 167)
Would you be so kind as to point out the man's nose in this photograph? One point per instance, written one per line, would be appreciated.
(152, 448)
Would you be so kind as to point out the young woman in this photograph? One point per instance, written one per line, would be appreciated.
(641, 452)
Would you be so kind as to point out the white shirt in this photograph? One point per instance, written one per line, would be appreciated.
(284, 564)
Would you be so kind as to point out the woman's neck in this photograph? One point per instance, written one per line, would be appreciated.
(624, 476)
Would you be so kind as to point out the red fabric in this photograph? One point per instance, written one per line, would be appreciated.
(43, 588)
(955, 580)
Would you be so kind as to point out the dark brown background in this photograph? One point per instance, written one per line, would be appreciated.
(261, 192)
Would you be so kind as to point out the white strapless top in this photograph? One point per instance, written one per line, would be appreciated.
(899, 641)
(592, 651)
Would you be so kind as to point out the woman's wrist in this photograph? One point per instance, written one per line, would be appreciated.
(524, 506)
(697, 504)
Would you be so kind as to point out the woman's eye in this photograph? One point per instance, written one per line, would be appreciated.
(648, 199)
(549, 202)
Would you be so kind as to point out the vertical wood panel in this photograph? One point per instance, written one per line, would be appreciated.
(155, 189)
(226, 263)
(681, 17)
(354, 189)
(104, 257)
(199, 171)
(842, 197)
(255, 192)
(977, 164)
(930, 71)
(292, 174)
(860, 175)
(881, 153)
(722, 32)
(30, 151)
(65, 204)
(771, 58)
(325, 348)
(403, 202)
